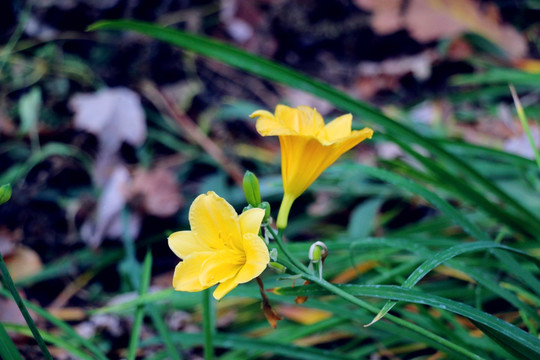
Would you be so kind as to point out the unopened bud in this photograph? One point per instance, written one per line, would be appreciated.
(318, 252)
(266, 207)
(277, 267)
(251, 189)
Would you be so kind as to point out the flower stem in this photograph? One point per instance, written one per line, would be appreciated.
(301, 269)
(365, 305)
(284, 210)
(208, 325)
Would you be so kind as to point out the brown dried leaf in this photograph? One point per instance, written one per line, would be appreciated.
(155, 191)
(9, 240)
(113, 115)
(429, 20)
(303, 315)
(24, 262)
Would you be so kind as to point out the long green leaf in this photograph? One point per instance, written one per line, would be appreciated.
(8, 283)
(8, 350)
(431, 263)
(139, 312)
(68, 330)
(503, 329)
(239, 342)
(275, 72)
(52, 339)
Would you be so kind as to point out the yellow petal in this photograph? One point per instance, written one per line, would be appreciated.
(183, 244)
(304, 158)
(223, 288)
(220, 267)
(339, 127)
(310, 121)
(186, 273)
(268, 125)
(257, 258)
(250, 221)
(214, 222)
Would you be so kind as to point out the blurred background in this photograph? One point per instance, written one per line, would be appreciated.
(106, 137)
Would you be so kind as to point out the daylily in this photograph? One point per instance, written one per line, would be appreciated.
(308, 146)
(221, 247)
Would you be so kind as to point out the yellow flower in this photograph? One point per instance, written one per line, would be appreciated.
(221, 247)
(308, 146)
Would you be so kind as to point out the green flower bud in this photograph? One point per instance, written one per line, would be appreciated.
(277, 267)
(266, 207)
(5, 193)
(251, 189)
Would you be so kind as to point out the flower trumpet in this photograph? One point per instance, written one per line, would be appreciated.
(308, 146)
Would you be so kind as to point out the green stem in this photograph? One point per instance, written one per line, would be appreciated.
(298, 266)
(306, 274)
(8, 282)
(208, 325)
(365, 305)
(284, 209)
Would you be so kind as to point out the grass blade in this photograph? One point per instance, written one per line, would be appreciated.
(139, 312)
(497, 326)
(396, 131)
(523, 119)
(8, 349)
(431, 263)
(8, 283)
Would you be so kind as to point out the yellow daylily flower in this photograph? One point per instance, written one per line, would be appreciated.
(221, 247)
(308, 146)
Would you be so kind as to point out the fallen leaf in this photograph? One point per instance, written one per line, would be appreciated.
(24, 262)
(430, 20)
(107, 220)
(113, 115)
(9, 240)
(303, 315)
(155, 191)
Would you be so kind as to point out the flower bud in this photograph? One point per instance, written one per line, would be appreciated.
(5, 193)
(318, 252)
(279, 268)
(251, 189)
(266, 207)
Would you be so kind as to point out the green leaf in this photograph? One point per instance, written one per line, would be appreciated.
(29, 108)
(431, 263)
(238, 342)
(513, 347)
(502, 329)
(8, 350)
(5, 193)
(139, 312)
(363, 218)
(395, 131)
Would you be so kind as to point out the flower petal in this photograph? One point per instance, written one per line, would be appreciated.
(183, 244)
(186, 273)
(268, 125)
(257, 257)
(214, 222)
(250, 221)
(310, 121)
(339, 128)
(220, 267)
(223, 288)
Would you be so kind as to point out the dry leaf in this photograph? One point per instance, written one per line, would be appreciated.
(303, 315)
(429, 20)
(107, 220)
(24, 262)
(155, 191)
(9, 240)
(113, 115)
